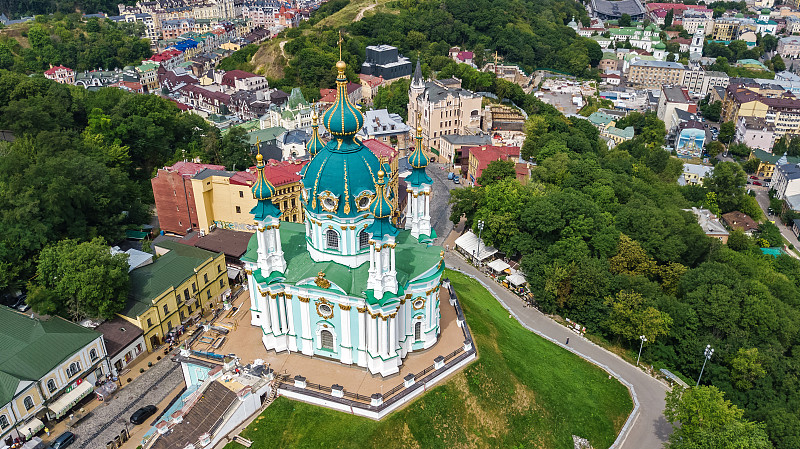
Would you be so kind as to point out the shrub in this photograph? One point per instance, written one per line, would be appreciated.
(141, 370)
(149, 364)
(129, 380)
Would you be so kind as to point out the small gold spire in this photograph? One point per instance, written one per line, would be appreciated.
(340, 46)
(259, 157)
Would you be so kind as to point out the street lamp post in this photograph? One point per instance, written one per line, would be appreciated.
(709, 351)
(480, 232)
(644, 339)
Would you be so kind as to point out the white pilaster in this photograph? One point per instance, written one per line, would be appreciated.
(345, 347)
(362, 338)
(291, 337)
(308, 342)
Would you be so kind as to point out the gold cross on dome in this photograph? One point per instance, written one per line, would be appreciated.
(340, 44)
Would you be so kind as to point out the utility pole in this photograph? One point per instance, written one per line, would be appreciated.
(707, 353)
(644, 339)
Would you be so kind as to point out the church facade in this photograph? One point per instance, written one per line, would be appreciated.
(347, 284)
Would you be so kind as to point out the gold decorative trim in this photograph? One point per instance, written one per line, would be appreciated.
(344, 228)
(352, 227)
(344, 307)
(248, 271)
(393, 315)
(361, 309)
(384, 318)
(346, 192)
(261, 229)
(303, 299)
(408, 296)
(362, 195)
(273, 295)
(328, 195)
(323, 301)
(288, 295)
(402, 300)
(414, 304)
(321, 281)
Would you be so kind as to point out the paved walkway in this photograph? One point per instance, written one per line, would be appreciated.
(649, 429)
(108, 419)
(762, 196)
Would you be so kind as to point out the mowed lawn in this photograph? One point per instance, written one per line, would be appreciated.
(522, 392)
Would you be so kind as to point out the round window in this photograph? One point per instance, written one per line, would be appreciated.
(363, 202)
(329, 203)
(418, 304)
(325, 309)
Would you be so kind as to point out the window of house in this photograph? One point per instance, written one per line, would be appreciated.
(51, 385)
(241, 195)
(326, 340)
(332, 239)
(28, 401)
(221, 283)
(238, 210)
(74, 368)
(169, 325)
(219, 268)
(93, 354)
(189, 309)
(183, 317)
(139, 349)
(4, 422)
(194, 287)
(363, 239)
(208, 293)
(166, 309)
(418, 331)
(205, 278)
(186, 292)
(149, 323)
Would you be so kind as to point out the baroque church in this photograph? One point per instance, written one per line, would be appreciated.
(347, 285)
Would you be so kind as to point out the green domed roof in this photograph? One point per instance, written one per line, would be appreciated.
(263, 190)
(342, 119)
(382, 211)
(651, 27)
(418, 161)
(315, 144)
(660, 46)
(765, 11)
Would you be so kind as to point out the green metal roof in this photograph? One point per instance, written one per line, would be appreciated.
(265, 135)
(296, 99)
(774, 158)
(412, 260)
(166, 272)
(33, 347)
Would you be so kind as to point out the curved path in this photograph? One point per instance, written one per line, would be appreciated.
(360, 14)
(646, 428)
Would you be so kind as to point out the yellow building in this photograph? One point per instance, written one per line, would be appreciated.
(46, 367)
(148, 76)
(232, 46)
(725, 30)
(223, 199)
(182, 284)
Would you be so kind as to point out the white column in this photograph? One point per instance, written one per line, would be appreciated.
(308, 342)
(372, 337)
(392, 336)
(362, 338)
(347, 352)
(273, 308)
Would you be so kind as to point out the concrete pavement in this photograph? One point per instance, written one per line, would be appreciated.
(646, 427)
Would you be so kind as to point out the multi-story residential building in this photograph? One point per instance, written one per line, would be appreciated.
(710, 224)
(181, 285)
(725, 29)
(755, 132)
(786, 181)
(171, 29)
(789, 47)
(700, 82)
(674, 98)
(124, 343)
(694, 174)
(694, 21)
(444, 109)
(241, 80)
(370, 85)
(150, 31)
(452, 145)
(205, 99)
(148, 76)
(223, 198)
(388, 128)
(169, 59)
(60, 74)
(46, 367)
(294, 113)
(654, 74)
(480, 157)
(769, 162)
(174, 197)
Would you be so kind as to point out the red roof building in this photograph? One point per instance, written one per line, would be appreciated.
(480, 157)
(60, 74)
(172, 190)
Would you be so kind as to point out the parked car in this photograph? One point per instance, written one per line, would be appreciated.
(756, 183)
(139, 416)
(63, 440)
(754, 177)
(450, 176)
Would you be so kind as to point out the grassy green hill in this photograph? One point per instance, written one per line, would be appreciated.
(523, 391)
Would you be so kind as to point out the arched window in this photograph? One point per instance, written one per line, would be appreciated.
(93, 354)
(418, 331)
(74, 368)
(326, 340)
(3, 422)
(51, 385)
(332, 239)
(363, 240)
(28, 402)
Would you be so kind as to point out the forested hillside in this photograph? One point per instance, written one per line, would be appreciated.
(81, 164)
(52, 40)
(603, 239)
(525, 32)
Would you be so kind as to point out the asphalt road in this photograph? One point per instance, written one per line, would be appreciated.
(762, 196)
(440, 206)
(649, 428)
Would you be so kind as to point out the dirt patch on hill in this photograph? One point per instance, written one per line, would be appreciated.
(269, 61)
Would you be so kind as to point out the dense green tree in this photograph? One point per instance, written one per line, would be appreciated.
(80, 280)
(668, 18)
(709, 421)
(497, 171)
(777, 63)
(630, 317)
(711, 111)
(726, 132)
(394, 98)
(624, 20)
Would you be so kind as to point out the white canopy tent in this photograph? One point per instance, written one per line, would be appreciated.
(516, 279)
(69, 399)
(471, 245)
(498, 266)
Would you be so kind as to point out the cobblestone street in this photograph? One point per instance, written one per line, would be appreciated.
(106, 421)
(440, 206)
